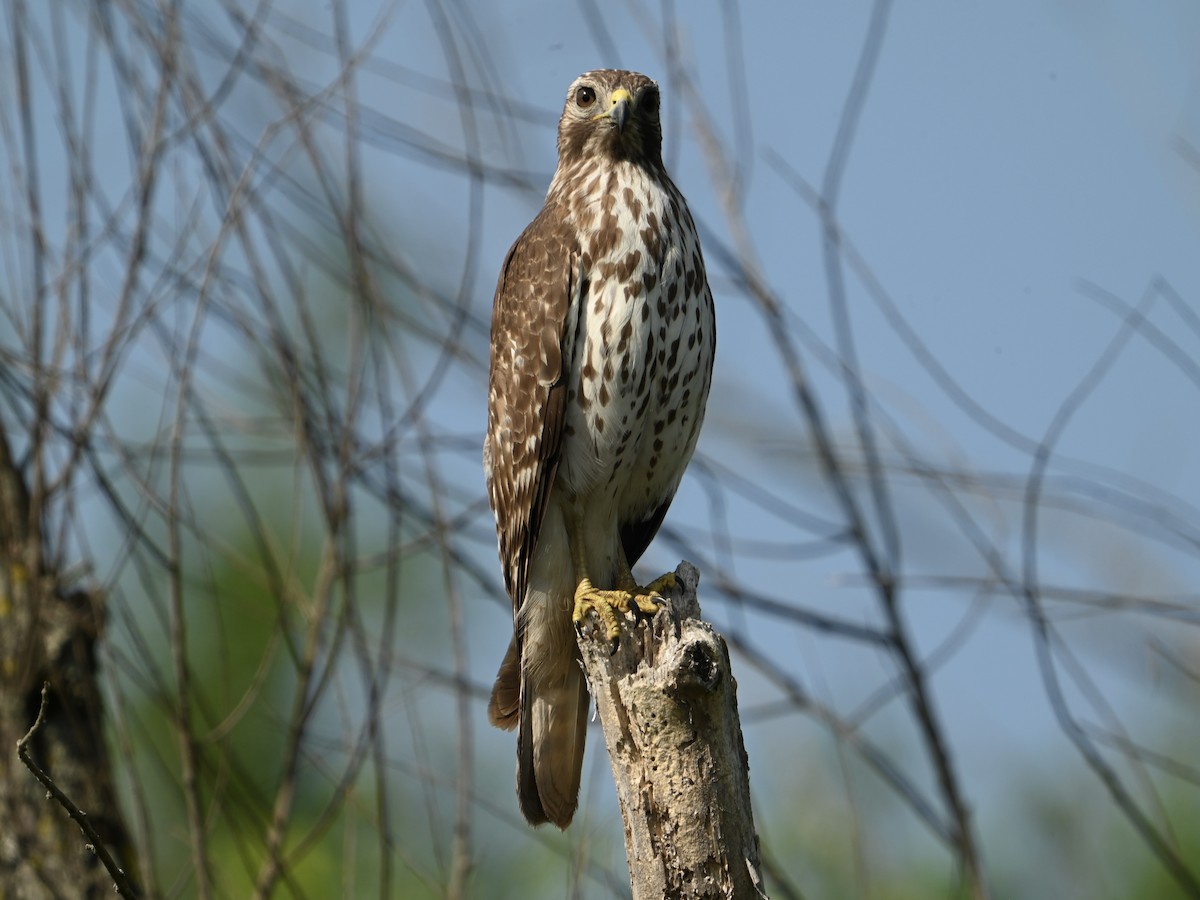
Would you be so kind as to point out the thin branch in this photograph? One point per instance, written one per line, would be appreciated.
(121, 881)
(1045, 637)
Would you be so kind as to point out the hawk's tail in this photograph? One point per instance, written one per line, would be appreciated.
(552, 715)
(550, 747)
(506, 692)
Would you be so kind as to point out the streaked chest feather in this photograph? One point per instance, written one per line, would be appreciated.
(643, 338)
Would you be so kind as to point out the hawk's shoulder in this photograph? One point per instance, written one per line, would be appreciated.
(534, 268)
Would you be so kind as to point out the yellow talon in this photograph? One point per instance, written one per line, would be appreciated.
(630, 597)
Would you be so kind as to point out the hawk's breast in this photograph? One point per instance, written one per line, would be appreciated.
(641, 347)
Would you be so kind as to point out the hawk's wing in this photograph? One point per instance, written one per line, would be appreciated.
(528, 388)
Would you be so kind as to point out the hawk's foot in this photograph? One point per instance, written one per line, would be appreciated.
(629, 598)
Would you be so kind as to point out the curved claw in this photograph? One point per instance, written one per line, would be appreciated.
(642, 602)
(645, 611)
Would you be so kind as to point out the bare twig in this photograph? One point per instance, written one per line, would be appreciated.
(121, 881)
(1045, 638)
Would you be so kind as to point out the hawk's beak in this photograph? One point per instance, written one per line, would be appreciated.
(622, 107)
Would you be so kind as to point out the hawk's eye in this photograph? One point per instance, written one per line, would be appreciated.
(649, 101)
(585, 97)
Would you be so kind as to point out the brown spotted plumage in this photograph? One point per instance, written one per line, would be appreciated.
(602, 349)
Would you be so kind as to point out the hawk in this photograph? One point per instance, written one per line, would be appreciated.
(602, 346)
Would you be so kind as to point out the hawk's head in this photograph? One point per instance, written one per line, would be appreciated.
(614, 114)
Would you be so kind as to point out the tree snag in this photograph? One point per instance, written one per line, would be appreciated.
(667, 702)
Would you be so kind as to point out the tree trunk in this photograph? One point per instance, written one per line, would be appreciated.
(668, 705)
(48, 635)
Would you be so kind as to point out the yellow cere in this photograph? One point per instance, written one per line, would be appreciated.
(617, 96)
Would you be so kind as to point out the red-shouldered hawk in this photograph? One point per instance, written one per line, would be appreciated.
(603, 335)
